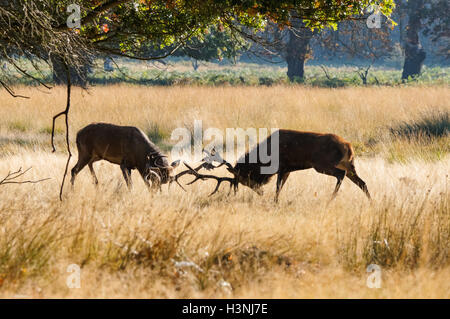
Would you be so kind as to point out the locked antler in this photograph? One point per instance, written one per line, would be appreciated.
(214, 156)
(205, 165)
(211, 157)
(219, 180)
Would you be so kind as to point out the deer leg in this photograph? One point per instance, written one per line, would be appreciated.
(281, 179)
(144, 178)
(358, 181)
(336, 172)
(91, 168)
(340, 175)
(126, 174)
(82, 162)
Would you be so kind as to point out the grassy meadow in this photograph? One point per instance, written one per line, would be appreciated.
(175, 244)
(181, 72)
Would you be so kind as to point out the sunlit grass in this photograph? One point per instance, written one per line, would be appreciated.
(186, 244)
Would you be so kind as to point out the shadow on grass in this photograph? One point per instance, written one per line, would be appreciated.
(16, 141)
(435, 125)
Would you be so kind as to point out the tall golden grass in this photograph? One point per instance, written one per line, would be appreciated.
(176, 244)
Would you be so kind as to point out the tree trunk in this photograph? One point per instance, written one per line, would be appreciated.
(78, 76)
(297, 51)
(194, 64)
(108, 65)
(414, 53)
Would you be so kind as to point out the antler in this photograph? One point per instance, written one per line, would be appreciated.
(211, 157)
(155, 156)
(208, 166)
(214, 156)
(155, 175)
(198, 176)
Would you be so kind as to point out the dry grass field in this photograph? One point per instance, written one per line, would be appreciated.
(176, 244)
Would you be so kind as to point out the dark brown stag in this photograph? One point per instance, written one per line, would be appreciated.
(126, 146)
(327, 153)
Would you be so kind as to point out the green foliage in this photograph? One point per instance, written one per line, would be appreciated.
(167, 22)
(120, 27)
(329, 83)
(215, 44)
(254, 74)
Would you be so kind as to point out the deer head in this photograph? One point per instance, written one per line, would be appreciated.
(159, 169)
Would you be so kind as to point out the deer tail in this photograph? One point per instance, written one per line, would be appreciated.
(348, 155)
(351, 153)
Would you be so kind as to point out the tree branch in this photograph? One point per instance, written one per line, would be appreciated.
(11, 177)
(66, 115)
(11, 92)
(122, 54)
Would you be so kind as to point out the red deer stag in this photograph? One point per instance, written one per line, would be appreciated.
(327, 153)
(126, 146)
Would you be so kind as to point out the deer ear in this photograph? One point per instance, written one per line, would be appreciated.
(175, 163)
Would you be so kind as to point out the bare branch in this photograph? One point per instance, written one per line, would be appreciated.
(167, 54)
(324, 69)
(11, 92)
(132, 78)
(26, 73)
(66, 115)
(11, 178)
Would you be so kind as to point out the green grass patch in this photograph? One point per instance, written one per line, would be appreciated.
(159, 136)
(18, 126)
(248, 74)
(48, 130)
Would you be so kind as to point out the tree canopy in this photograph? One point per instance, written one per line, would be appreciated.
(39, 29)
